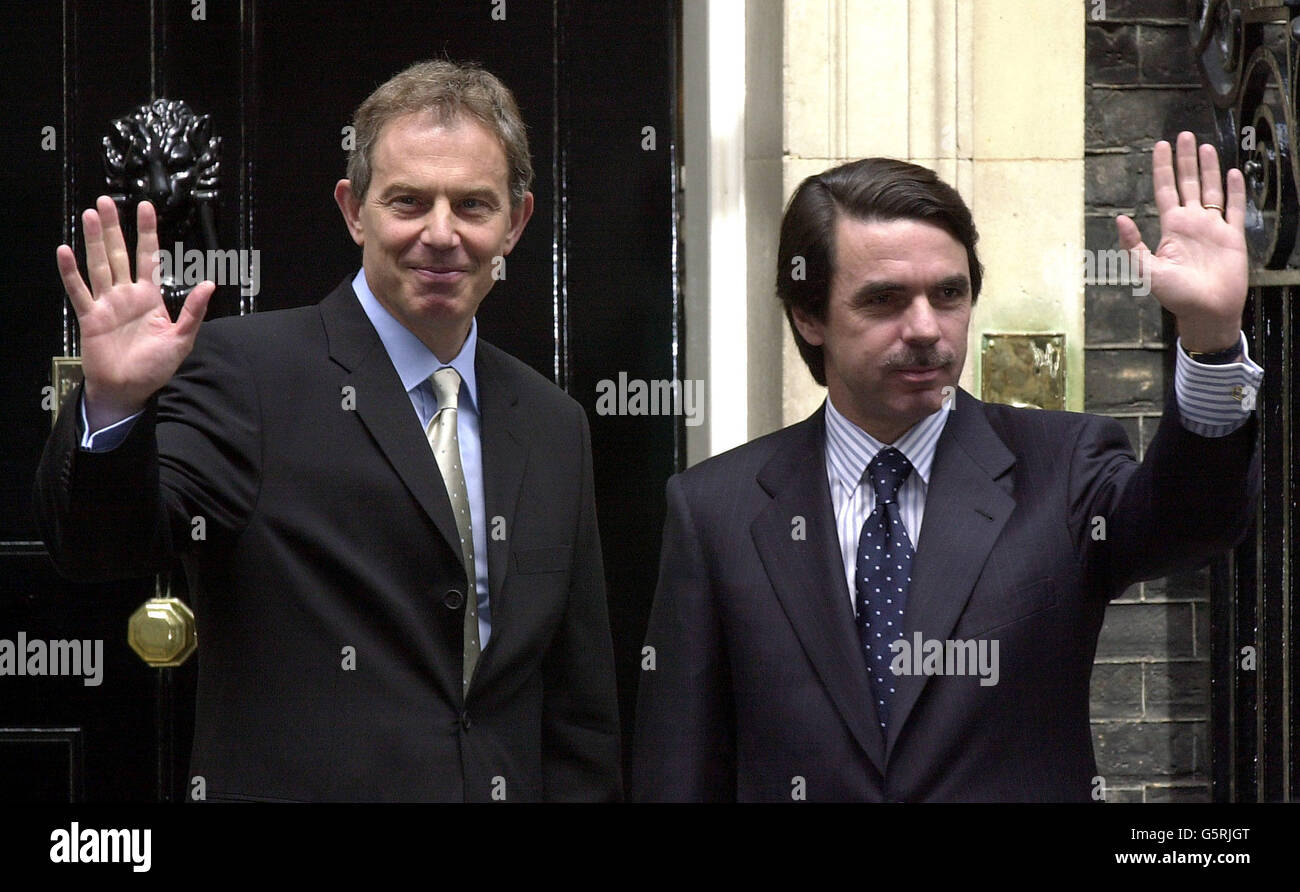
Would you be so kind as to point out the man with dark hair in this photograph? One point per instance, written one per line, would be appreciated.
(399, 593)
(872, 188)
(899, 598)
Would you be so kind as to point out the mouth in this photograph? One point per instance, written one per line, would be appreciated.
(919, 374)
(440, 275)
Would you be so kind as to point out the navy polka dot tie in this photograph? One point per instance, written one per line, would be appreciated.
(884, 571)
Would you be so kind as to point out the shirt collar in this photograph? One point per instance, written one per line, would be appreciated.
(415, 363)
(849, 449)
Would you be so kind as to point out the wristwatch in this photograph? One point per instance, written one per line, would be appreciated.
(1218, 357)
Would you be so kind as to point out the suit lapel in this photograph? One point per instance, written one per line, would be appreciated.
(505, 455)
(384, 408)
(806, 578)
(967, 503)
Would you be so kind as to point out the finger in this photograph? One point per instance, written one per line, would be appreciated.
(1162, 178)
(72, 281)
(1189, 176)
(119, 261)
(1211, 178)
(194, 309)
(101, 277)
(146, 243)
(1236, 207)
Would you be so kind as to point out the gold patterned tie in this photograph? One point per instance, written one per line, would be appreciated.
(441, 432)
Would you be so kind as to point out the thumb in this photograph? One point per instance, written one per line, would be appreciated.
(1130, 239)
(1130, 236)
(194, 309)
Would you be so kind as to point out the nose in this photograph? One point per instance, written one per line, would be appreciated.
(921, 323)
(439, 230)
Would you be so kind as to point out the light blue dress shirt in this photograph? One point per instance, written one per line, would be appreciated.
(415, 365)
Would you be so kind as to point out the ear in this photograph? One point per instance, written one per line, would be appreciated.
(811, 329)
(350, 206)
(518, 220)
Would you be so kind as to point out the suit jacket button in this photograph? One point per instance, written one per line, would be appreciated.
(453, 600)
(464, 720)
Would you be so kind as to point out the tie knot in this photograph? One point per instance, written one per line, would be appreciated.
(887, 472)
(446, 386)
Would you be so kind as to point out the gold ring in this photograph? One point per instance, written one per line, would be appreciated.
(1217, 207)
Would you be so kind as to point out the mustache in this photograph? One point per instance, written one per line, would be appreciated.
(927, 358)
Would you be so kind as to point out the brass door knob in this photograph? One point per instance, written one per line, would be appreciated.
(162, 632)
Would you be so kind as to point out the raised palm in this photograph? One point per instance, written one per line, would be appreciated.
(130, 347)
(1199, 271)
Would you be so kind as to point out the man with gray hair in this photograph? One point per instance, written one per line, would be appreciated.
(400, 594)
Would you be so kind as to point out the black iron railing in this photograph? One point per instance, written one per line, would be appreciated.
(1248, 52)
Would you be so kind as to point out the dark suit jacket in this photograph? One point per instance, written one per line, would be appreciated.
(327, 526)
(759, 677)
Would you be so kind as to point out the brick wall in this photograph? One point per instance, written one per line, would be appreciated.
(1151, 680)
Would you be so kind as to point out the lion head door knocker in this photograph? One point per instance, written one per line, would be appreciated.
(165, 153)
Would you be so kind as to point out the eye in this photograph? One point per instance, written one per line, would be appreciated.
(403, 202)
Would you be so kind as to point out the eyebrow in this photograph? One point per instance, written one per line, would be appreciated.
(477, 191)
(883, 286)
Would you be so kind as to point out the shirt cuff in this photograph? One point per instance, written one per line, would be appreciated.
(105, 439)
(1215, 400)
